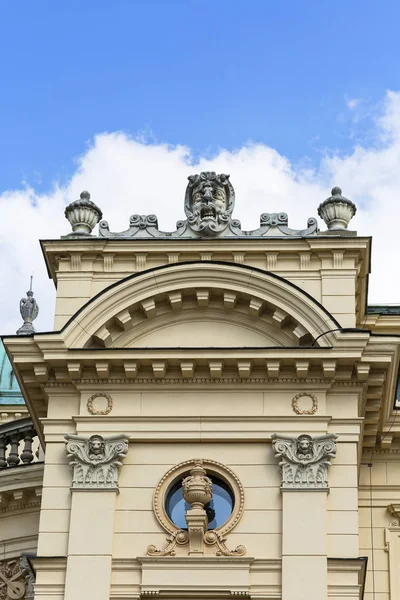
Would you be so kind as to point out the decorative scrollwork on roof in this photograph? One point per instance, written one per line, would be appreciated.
(209, 204)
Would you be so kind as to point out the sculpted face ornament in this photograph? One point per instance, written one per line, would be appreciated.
(96, 461)
(304, 461)
(209, 203)
(96, 447)
(304, 447)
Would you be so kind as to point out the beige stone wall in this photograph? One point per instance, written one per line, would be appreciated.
(11, 412)
(332, 271)
(379, 528)
(167, 426)
(20, 496)
(182, 404)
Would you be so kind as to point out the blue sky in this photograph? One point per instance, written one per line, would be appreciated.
(204, 73)
(126, 98)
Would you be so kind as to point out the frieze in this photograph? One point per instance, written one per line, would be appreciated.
(96, 461)
(304, 460)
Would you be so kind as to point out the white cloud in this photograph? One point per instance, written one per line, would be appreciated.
(352, 103)
(127, 176)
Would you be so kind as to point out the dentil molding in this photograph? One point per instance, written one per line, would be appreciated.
(96, 461)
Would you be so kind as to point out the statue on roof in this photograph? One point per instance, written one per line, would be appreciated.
(29, 310)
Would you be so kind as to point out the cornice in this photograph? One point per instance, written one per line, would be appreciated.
(298, 381)
(201, 381)
(22, 476)
(21, 507)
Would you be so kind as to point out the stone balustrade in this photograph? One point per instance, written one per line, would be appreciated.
(19, 444)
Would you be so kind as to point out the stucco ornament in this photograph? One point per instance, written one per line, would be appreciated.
(96, 461)
(209, 203)
(29, 577)
(304, 460)
(12, 580)
(197, 540)
(305, 411)
(197, 491)
(97, 411)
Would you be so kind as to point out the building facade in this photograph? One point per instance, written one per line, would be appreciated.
(216, 412)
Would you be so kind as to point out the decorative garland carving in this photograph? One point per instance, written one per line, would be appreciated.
(108, 408)
(304, 461)
(310, 411)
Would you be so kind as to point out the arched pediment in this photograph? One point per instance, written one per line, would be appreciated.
(201, 304)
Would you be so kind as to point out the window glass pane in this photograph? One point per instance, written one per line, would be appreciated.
(397, 399)
(218, 510)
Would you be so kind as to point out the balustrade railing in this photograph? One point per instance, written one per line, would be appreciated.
(19, 444)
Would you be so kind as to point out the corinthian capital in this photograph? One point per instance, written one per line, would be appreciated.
(304, 460)
(96, 461)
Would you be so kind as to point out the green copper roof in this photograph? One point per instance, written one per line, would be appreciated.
(9, 389)
(383, 309)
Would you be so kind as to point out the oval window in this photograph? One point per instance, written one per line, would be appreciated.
(218, 510)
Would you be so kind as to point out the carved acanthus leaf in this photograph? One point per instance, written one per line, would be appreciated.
(304, 461)
(211, 539)
(96, 460)
(179, 537)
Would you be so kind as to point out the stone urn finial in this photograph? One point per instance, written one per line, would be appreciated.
(337, 211)
(197, 487)
(197, 491)
(83, 214)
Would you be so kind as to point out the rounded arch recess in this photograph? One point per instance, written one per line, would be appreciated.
(262, 288)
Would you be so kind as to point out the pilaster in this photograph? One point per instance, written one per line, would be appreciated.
(96, 462)
(304, 463)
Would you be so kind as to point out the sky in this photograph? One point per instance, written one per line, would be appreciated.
(127, 98)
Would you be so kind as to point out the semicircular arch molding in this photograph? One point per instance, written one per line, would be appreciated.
(262, 308)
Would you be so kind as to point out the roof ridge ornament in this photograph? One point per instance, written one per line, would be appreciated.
(29, 310)
(209, 204)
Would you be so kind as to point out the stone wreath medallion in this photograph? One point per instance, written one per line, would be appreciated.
(305, 411)
(96, 411)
